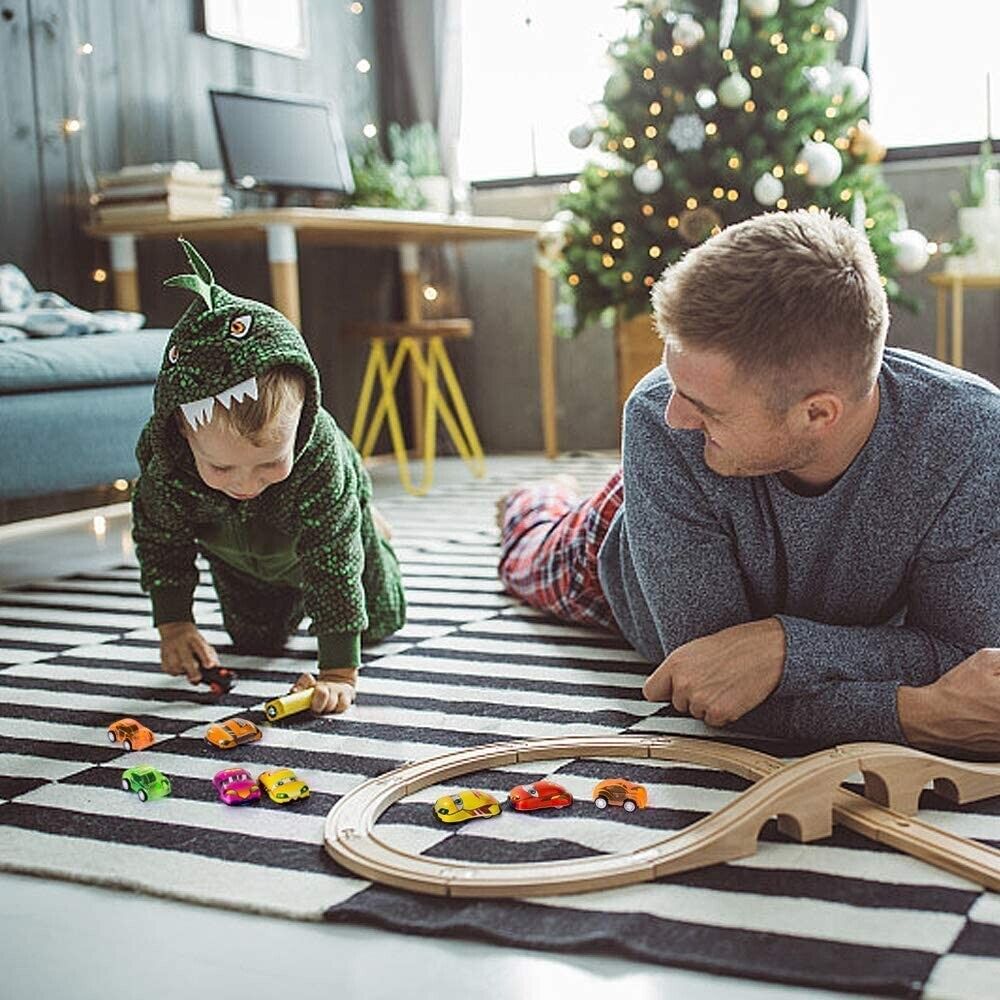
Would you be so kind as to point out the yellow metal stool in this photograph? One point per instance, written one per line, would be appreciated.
(410, 339)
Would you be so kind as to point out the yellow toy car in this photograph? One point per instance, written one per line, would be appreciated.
(467, 804)
(283, 786)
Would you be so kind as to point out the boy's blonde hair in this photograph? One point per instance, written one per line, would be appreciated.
(280, 391)
(793, 299)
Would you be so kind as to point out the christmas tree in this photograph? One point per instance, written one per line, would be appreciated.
(717, 110)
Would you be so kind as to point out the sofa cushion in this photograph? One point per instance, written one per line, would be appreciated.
(100, 359)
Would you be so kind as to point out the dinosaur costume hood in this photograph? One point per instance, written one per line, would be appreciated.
(217, 351)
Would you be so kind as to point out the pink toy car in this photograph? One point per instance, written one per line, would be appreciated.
(236, 787)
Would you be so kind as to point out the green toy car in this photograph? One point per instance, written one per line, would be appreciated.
(146, 782)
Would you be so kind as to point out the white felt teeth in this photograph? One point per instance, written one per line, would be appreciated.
(200, 411)
(237, 392)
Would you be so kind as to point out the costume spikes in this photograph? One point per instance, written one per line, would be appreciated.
(201, 282)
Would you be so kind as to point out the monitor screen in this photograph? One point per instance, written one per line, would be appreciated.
(281, 142)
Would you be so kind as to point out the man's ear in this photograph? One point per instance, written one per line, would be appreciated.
(820, 411)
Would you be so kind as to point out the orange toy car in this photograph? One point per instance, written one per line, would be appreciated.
(231, 733)
(619, 792)
(131, 734)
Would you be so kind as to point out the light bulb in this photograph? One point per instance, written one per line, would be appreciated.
(370, 130)
(363, 66)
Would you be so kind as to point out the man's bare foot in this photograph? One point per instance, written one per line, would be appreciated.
(564, 479)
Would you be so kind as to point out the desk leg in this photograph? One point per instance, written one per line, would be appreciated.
(409, 271)
(941, 344)
(957, 297)
(124, 272)
(546, 357)
(283, 260)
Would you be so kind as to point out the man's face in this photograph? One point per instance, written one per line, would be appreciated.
(743, 437)
(236, 466)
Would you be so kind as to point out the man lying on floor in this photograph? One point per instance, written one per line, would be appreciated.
(805, 531)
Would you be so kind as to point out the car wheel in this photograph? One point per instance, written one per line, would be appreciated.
(111, 737)
(601, 802)
(629, 806)
(142, 795)
(126, 785)
(127, 745)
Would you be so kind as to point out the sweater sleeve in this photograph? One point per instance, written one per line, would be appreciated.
(332, 557)
(164, 543)
(674, 575)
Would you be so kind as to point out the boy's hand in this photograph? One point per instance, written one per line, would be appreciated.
(333, 690)
(184, 650)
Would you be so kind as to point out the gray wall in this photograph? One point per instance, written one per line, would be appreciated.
(143, 94)
(588, 417)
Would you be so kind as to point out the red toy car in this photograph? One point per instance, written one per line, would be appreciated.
(540, 795)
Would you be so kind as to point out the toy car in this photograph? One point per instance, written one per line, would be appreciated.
(131, 734)
(219, 679)
(467, 804)
(539, 795)
(288, 704)
(146, 782)
(282, 786)
(231, 733)
(619, 792)
(236, 786)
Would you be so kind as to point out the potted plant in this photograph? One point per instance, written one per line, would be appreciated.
(382, 184)
(417, 148)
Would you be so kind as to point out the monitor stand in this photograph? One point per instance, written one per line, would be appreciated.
(289, 197)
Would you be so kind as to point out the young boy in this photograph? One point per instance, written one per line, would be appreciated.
(240, 463)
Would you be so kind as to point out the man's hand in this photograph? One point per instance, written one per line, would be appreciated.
(959, 711)
(333, 690)
(720, 677)
(184, 650)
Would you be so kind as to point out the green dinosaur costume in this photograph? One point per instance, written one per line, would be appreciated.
(306, 545)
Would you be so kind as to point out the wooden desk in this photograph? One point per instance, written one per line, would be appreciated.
(956, 284)
(284, 228)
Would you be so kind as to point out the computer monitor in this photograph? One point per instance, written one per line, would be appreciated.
(281, 143)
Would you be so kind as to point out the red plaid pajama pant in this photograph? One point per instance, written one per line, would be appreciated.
(548, 549)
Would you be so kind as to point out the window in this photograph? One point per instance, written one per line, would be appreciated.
(530, 71)
(928, 66)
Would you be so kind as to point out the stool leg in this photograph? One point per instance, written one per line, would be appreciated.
(388, 375)
(440, 404)
(476, 458)
(365, 397)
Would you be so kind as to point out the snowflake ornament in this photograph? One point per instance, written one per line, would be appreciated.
(687, 133)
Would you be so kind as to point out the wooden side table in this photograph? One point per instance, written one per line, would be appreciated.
(956, 284)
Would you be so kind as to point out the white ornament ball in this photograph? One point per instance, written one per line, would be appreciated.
(819, 78)
(618, 86)
(835, 23)
(647, 180)
(853, 83)
(688, 33)
(823, 163)
(734, 90)
(768, 189)
(705, 98)
(581, 136)
(911, 250)
(761, 8)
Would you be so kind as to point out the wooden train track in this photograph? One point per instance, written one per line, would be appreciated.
(805, 796)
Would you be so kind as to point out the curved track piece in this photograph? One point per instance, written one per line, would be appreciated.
(805, 796)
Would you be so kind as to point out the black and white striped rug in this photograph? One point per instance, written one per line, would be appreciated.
(471, 667)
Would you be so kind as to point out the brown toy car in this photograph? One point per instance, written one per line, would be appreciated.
(619, 792)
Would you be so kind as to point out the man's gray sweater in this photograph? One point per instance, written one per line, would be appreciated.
(890, 577)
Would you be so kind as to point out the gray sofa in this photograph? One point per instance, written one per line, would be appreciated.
(71, 409)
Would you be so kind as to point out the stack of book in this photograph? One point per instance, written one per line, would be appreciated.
(160, 191)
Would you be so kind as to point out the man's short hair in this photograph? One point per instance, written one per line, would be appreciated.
(793, 299)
